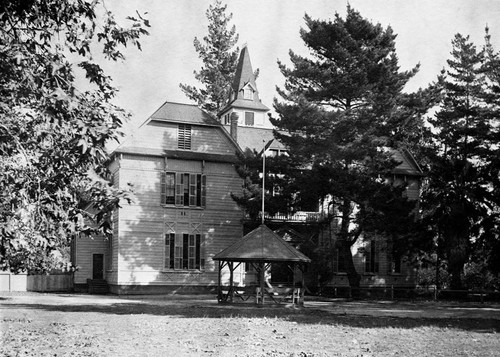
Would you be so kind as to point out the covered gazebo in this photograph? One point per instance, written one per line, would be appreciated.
(260, 248)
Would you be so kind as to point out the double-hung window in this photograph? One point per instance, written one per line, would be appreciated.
(183, 189)
(395, 262)
(371, 258)
(184, 251)
(339, 265)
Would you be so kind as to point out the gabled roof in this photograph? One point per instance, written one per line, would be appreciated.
(263, 245)
(408, 165)
(182, 113)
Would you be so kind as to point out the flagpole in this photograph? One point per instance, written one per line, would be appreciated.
(263, 179)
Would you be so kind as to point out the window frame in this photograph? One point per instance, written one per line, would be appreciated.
(183, 189)
(248, 93)
(339, 262)
(183, 251)
(372, 258)
(249, 118)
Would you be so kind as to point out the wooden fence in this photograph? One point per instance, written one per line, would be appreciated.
(52, 282)
(39, 283)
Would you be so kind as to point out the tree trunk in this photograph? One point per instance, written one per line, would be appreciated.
(456, 236)
(352, 275)
(345, 250)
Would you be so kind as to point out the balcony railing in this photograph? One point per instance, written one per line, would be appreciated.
(300, 216)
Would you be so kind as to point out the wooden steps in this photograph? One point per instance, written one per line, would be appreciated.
(97, 286)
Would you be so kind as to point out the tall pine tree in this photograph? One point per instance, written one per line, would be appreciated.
(220, 58)
(340, 116)
(462, 195)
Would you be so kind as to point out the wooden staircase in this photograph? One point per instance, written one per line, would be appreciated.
(97, 286)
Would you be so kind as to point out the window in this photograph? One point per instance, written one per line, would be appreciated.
(248, 93)
(184, 251)
(168, 188)
(371, 258)
(249, 118)
(339, 265)
(184, 137)
(396, 265)
(183, 189)
(227, 119)
(395, 262)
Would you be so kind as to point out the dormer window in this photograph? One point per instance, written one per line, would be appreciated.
(248, 93)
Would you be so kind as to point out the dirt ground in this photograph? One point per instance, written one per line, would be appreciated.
(84, 325)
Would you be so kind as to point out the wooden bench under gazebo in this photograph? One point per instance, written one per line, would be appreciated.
(260, 248)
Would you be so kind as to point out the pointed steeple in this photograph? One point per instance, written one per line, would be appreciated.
(244, 73)
(244, 93)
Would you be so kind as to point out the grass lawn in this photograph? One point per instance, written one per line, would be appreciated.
(84, 325)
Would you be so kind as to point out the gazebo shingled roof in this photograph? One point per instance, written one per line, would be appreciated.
(263, 245)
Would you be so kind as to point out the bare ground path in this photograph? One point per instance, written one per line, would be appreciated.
(86, 325)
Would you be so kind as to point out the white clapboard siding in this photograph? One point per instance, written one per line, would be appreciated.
(85, 247)
(143, 224)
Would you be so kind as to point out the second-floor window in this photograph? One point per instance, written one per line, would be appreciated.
(183, 189)
(184, 137)
(249, 118)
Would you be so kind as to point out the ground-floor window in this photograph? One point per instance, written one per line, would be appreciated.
(396, 262)
(184, 251)
(339, 262)
(371, 257)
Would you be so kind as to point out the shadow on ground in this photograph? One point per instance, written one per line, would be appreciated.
(344, 316)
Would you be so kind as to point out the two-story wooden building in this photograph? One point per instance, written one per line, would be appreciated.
(180, 166)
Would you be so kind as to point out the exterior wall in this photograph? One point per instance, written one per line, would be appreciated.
(261, 119)
(84, 247)
(142, 225)
(385, 275)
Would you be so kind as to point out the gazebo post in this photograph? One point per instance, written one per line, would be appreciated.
(231, 290)
(219, 281)
(262, 277)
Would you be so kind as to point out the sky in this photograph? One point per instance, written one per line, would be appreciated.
(270, 28)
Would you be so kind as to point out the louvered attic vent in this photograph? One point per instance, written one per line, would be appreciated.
(184, 137)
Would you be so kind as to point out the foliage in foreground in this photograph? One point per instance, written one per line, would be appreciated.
(53, 133)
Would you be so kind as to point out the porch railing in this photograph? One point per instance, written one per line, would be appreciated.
(302, 216)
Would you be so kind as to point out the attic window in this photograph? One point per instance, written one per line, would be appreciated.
(248, 93)
(184, 137)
